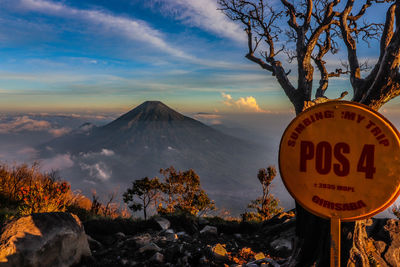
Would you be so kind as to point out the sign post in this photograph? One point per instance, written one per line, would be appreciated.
(335, 242)
(340, 161)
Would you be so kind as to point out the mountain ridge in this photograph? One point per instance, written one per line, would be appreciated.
(153, 136)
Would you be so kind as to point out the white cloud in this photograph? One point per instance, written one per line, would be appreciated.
(25, 123)
(132, 29)
(227, 99)
(98, 170)
(58, 162)
(107, 152)
(208, 118)
(104, 152)
(60, 131)
(248, 103)
(204, 14)
(28, 151)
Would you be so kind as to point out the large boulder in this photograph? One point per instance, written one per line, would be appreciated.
(43, 239)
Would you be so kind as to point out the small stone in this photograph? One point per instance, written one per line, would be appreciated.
(203, 260)
(169, 231)
(163, 223)
(141, 240)
(251, 265)
(238, 236)
(172, 237)
(259, 256)
(183, 261)
(157, 257)
(212, 230)
(150, 247)
(203, 221)
(281, 244)
(119, 235)
(219, 252)
(94, 244)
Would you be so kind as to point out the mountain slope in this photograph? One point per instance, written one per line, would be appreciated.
(153, 136)
(150, 127)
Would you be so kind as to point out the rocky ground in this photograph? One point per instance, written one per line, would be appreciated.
(60, 239)
(180, 241)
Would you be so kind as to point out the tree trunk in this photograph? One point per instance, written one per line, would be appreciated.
(312, 244)
(144, 210)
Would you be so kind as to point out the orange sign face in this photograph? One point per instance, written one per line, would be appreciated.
(341, 159)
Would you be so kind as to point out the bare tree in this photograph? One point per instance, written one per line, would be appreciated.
(306, 32)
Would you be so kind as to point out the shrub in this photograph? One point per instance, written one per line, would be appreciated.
(87, 209)
(25, 189)
(44, 195)
(29, 190)
(266, 206)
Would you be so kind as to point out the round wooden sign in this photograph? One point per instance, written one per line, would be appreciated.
(341, 159)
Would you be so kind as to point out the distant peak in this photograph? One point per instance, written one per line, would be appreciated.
(152, 104)
(149, 111)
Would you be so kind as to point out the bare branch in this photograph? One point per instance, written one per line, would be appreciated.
(291, 12)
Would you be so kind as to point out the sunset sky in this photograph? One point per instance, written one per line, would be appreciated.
(102, 55)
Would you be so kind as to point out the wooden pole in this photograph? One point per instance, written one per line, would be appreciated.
(335, 242)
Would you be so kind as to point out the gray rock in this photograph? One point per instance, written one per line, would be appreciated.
(183, 261)
(44, 239)
(238, 236)
(163, 223)
(169, 231)
(271, 262)
(93, 243)
(171, 237)
(281, 244)
(119, 235)
(181, 234)
(124, 261)
(157, 257)
(203, 260)
(141, 240)
(150, 247)
(203, 221)
(212, 230)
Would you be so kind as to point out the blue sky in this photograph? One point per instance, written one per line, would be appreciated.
(93, 55)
